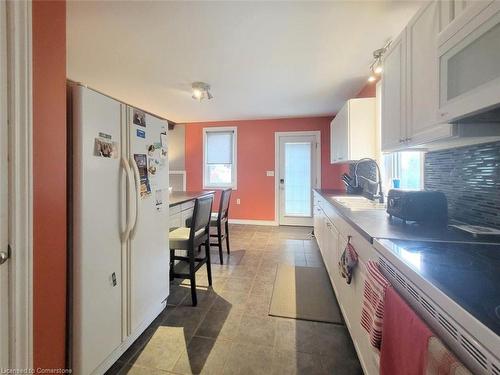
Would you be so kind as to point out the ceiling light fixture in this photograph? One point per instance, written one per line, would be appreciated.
(376, 67)
(201, 90)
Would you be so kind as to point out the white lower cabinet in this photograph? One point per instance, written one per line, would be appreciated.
(332, 234)
(330, 258)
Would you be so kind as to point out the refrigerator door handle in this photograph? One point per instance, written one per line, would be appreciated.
(130, 184)
(137, 179)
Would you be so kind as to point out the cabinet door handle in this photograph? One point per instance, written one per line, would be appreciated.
(4, 256)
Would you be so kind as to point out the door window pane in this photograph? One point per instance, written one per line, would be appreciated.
(298, 179)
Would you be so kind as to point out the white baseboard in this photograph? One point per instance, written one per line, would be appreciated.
(254, 222)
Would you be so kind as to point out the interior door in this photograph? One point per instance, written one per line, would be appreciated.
(149, 253)
(4, 215)
(298, 165)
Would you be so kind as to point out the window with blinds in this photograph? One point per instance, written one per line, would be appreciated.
(219, 164)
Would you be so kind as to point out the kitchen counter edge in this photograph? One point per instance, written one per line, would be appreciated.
(179, 197)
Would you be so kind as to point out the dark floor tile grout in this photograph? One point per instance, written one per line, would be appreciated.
(255, 264)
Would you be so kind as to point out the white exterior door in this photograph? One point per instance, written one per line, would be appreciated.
(4, 214)
(298, 164)
(149, 251)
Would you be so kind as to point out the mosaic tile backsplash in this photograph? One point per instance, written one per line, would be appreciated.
(470, 178)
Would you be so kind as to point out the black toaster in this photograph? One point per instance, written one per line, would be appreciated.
(418, 205)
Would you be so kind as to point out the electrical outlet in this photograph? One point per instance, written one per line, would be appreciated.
(270, 173)
(238, 201)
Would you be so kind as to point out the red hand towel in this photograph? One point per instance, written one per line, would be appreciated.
(405, 338)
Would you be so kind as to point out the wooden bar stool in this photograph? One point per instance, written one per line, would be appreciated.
(219, 220)
(194, 237)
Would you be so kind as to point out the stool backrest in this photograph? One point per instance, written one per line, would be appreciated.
(224, 204)
(201, 214)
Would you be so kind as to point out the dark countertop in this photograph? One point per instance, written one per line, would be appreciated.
(462, 279)
(440, 262)
(377, 224)
(179, 197)
(456, 270)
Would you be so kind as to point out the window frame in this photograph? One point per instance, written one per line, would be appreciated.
(234, 165)
(392, 169)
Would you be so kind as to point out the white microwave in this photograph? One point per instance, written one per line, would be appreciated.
(469, 62)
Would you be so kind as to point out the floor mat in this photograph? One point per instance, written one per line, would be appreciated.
(304, 293)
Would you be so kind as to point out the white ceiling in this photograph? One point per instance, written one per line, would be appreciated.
(263, 59)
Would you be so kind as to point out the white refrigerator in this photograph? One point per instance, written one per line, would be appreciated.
(119, 254)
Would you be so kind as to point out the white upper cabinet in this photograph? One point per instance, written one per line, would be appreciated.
(469, 59)
(422, 72)
(410, 92)
(394, 95)
(353, 131)
(444, 66)
(339, 136)
(452, 9)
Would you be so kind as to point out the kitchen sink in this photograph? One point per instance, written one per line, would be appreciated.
(359, 203)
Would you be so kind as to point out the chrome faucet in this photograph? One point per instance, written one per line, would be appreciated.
(380, 195)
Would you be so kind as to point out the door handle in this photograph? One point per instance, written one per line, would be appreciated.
(4, 256)
(282, 180)
(137, 179)
(130, 185)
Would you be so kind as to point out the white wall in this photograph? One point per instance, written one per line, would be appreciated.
(176, 146)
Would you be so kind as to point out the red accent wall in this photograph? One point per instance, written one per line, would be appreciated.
(255, 156)
(368, 91)
(49, 183)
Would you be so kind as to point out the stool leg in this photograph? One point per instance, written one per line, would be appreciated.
(192, 277)
(227, 236)
(209, 264)
(172, 253)
(219, 243)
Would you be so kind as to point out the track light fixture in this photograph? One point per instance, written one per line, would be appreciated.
(376, 66)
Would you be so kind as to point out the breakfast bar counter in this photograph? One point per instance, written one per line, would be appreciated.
(181, 205)
(179, 197)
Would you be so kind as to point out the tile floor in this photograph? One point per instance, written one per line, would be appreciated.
(230, 332)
